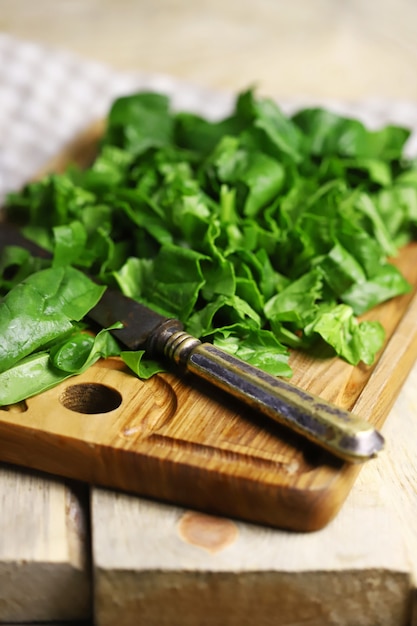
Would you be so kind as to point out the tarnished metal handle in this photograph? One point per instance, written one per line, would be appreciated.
(337, 430)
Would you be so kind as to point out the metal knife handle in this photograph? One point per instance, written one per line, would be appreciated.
(337, 430)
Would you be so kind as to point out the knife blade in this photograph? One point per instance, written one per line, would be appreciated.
(337, 430)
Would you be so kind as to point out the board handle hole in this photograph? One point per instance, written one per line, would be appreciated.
(90, 398)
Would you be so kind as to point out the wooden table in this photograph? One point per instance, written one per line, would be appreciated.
(70, 554)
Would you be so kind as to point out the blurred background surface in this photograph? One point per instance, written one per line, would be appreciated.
(347, 49)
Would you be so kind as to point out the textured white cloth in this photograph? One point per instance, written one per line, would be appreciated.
(47, 96)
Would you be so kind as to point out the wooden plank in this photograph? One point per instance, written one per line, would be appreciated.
(155, 564)
(44, 550)
(398, 473)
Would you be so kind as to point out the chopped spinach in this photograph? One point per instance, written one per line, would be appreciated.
(262, 232)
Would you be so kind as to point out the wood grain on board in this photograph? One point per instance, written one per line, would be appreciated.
(166, 565)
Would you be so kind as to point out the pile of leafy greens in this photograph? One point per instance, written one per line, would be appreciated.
(262, 232)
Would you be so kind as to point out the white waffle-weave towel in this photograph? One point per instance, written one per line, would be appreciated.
(47, 96)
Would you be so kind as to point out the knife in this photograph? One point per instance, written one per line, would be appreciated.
(337, 430)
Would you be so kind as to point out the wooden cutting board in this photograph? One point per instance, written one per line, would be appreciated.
(176, 439)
